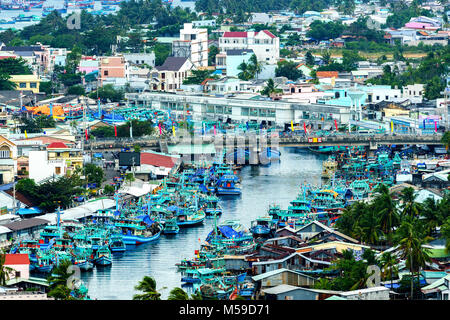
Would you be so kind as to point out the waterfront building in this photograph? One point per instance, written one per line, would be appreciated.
(241, 108)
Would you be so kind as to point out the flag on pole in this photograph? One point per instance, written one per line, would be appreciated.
(26, 136)
(335, 124)
(392, 126)
(304, 126)
(214, 129)
(173, 130)
(160, 131)
(292, 125)
(435, 126)
(87, 136)
(115, 131)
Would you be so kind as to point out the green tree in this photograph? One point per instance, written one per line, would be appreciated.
(76, 90)
(212, 52)
(270, 88)
(309, 59)
(58, 288)
(148, 286)
(389, 267)
(4, 270)
(410, 240)
(94, 173)
(288, 69)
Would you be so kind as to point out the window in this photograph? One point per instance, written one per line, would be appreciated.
(57, 170)
(105, 73)
(23, 85)
(33, 85)
(4, 154)
(387, 97)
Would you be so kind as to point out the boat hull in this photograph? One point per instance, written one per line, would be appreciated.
(134, 240)
(103, 261)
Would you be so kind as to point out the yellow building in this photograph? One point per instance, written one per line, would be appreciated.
(60, 151)
(28, 82)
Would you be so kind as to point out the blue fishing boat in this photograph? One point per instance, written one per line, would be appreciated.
(102, 256)
(263, 227)
(171, 226)
(138, 231)
(116, 243)
(228, 185)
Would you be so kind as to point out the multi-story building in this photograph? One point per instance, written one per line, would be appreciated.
(193, 44)
(264, 44)
(170, 76)
(231, 59)
(8, 160)
(113, 70)
(28, 82)
(140, 58)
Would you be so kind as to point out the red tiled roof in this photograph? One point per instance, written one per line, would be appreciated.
(270, 34)
(157, 160)
(48, 140)
(327, 74)
(235, 34)
(57, 145)
(16, 258)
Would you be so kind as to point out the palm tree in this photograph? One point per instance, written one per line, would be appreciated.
(387, 211)
(411, 240)
(254, 66)
(178, 294)
(270, 88)
(409, 206)
(430, 213)
(388, 266)
(148, 286)
(4, 270)
(445, 230)
(58, 281)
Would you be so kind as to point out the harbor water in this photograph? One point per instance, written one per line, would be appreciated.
(261, 186)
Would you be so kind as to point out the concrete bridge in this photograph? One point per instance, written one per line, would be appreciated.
(372, 141)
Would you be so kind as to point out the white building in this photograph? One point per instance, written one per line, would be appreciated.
(140, 58)
(414, 92)
(193, 44)
(170, 76)
(40, 168)
(264, 44)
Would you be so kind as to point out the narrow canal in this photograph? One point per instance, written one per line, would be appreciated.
(261, 186)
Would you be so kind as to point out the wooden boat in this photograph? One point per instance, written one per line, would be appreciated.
(103, 256)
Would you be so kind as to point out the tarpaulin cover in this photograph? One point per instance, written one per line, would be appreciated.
(146, 219)
(229, 232)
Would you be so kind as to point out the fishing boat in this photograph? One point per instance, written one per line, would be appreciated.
(189, 217)
(137, 231)
(212, 206)
(263, 227)
(103, 256)
(228, 185)
(171, 226)
(116, 243)
(44, 263)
